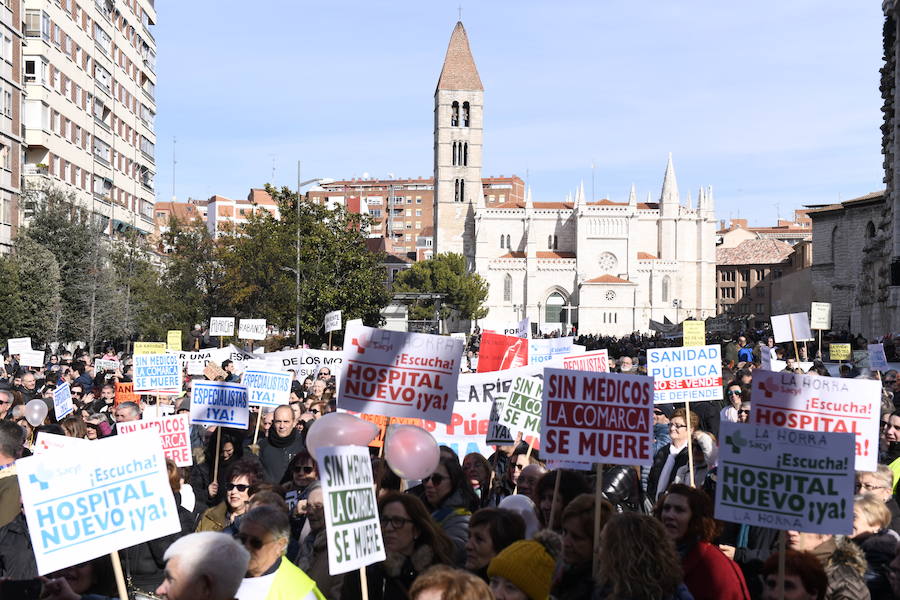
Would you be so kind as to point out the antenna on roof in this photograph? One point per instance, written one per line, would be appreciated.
(460, 13)
(174, 162)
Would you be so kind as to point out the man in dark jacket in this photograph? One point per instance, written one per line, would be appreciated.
(281, 444)
(11, 439)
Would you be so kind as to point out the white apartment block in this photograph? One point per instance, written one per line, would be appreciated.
(224, 215)
(10, 118)
(90, 82)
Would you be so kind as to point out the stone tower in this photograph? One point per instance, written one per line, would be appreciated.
(458, 122)
(669, 207)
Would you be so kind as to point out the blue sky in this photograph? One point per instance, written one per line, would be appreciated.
(775, 104)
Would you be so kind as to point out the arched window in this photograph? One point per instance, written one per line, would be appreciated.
(455, 153)
(502, 241)
(870, 230)
(462, 190)
(508, 245)
(549, 242)
(465, 154)
(454, 114)
(507, 288)
(666, 284)
(553, 313)
(456, 191)
(465, 114)
(555, 242)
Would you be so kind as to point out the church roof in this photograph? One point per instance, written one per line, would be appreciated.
(607, 279)
(459, 71)
(647, 256)
(754, 252)
(555, 254)
(514, 255)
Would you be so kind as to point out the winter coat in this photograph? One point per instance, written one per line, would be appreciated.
(654, 485)
(391, 578)
(752, 546)
(214, 519)
(895, 514)
(276, 453)
(10, 498)
(710, 575)
(879, 550)
(680, 593)
(845, 564)
(16, 554)
(313, 560)
(573, 582)
(453, 517)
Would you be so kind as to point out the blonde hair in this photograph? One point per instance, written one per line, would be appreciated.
(873, 510)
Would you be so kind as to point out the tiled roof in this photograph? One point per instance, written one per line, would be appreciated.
(648, 205)
(607, 279)
(647, 256)
(754, 252)
(459, 71)
(426, 231)
(514, 255)
(555, 254)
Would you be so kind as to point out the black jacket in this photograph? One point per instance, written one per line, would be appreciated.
(276, 453)
(654, 485)
(16, 554)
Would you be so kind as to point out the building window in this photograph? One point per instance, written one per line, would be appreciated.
(728, 293)
(554, 311)
(454, 114)
(759, 309)
(502, 241)
(507, 288)
(666, 285)
(760, 274)
(870, 230)
(465, 154)
(460, 191)
(465, 114)
(508, 245)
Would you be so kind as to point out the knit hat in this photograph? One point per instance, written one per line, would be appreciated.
(528, 565)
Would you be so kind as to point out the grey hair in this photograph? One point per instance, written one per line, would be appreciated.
(132, 407)
(215, 555)
(275, 520)
(882, 473)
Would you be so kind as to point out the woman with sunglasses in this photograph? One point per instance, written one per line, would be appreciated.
(412, 543)
(312, 557)
(299, 476)
(209, 493)
(451, 499)
(734, 393)
(244, 474)
(672, 456)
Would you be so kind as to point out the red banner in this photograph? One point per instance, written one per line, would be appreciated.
(499, 352)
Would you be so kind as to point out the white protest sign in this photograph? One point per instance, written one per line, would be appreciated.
(687, 373)
(174, 432)
(62, 401)
(521, 409)
(18, 345)
(333, 321)
(267, 388)
(219, 403)
(31, 358)
(597, 361)
(354, 322)
(781, 327)
(221, 326)
(877, 359)
(811, 403)
(157, 373)
(351, 510)
(306, 361)
(820, 315)
(48, 442)
(236, 355)
(252, 329)
(524, 328)
(597, 417)
(542, 350)
(106, 365)
(113, 493)
(785, 479)
(399, 374)
(517, 329)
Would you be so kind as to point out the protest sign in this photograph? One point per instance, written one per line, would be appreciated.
(113, 493)
(354, 322)
(840, 352)
(351, 510)
(861, 359)
(769, 362)
(219, 403)
(382, 422)
(31, 358)
(523, 330)
(62, 401)
(47, 442)
(252, 329)
(221, 326)
(173, 340)
(333, 321)
(213, 372)
(783, 326)
(522, 408)
(542, 350)
(125, 393)
(785, 479)
(235, 355)
(150, 347)
(694, 333)
(877, 359)
(174, 432)
(820, 315)
(267, 388)
(157, 373)
(305, 361)
(830, 404)
(511, 329)
(683, 374)
(18, 345)
(596, 361)
(106, 365)
(597, 417)
(499, 352)
(399, 374)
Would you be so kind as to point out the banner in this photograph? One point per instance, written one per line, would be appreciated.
(267, 388)
(106, 365)
(125, 393)
(840, 352)
(399, 374)
(877, 359)
(351, 509)
(499, 352)
(113, 493)
(694, 333)
(174, 432)
(784, 479)
(252, 329)
(333, 321)
(173, 340)
(18, 345)
(596, 361)
(150, 348)
(219, 403)
(520, 329)
(31, 358)
(830, 404)
(157, 373)
(781, 328)
(820, 315)
(62, 401)
(684, 374)
(597, 417)
(221, 326)
(522, 407)
(542, 350)
(305, 361)
(382, 422)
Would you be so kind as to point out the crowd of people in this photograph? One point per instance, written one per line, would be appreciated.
(508, 526)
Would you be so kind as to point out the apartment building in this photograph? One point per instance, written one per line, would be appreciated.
(90, 106)
(10, 119)
(224, 215)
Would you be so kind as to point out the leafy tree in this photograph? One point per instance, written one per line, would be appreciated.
(445, 273)
(37, 275)
(10, 298)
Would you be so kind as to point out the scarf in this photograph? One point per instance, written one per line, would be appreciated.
(281, 442)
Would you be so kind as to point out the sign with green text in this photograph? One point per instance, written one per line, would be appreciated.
(521, 410)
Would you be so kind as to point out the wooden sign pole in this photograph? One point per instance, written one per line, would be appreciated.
(218, 446)
(598, 517)
(690, 434)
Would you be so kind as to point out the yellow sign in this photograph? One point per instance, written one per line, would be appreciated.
(840, 352)
(173, 339)
(694, 333)
(149, 347)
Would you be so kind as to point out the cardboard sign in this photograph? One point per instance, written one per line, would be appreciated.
(106, 365)
(113, 493)
(221, 326)
(383, 423)
(546, 349)
(50, 442)
(174, 432)
(877, 359)
(781, 327)
(522, 407)
(125, 393)
(840, 352)
(684, 374)
(219, 403)
(830, 404)
(784, 479)
(333, 321)
(214, 372)
(32, 358)
(351, 510)
(267, 388)
(62, 401)
(596, 361)
(820, 315)
(499, 352)
(694, 333)
(252, 329)
(597, 417)
(150, 348)
(157, 373)
(399, 374)
(18, 345)
(173, 340)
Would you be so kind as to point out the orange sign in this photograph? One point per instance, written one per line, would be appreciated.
(125, 393)
(382, 422)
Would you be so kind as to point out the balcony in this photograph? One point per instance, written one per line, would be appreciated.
(38, 169)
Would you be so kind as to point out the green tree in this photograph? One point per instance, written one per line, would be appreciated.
(445, 273)
(37, 274)
(10, 298)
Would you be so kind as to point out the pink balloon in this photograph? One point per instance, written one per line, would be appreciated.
(410, 451)
(339, 429)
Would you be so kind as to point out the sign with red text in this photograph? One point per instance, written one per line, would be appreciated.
(399, 374)
(597, 417)
(498, 352)
(174, 433)
(382, 422)
(686, 373)
(811, 403)
(596, 361)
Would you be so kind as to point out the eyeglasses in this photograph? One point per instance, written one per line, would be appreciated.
(241, 487)
(301, 469)
(735, 392)
(741, 411)
(869, 487)
(658, 412)
(314, 411)
(435, 478)
(252, 541)
(394, 522)
(675, 426)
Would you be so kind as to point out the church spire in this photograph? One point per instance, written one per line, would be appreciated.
(579, 195)
(459, 71)
(528, 202)
(669, 194)
(632, 196)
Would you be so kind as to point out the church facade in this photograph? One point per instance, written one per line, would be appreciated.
(602, 266)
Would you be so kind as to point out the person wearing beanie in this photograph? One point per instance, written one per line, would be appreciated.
(524, 569)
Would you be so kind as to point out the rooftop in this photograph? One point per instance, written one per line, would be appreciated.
(754, 252)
